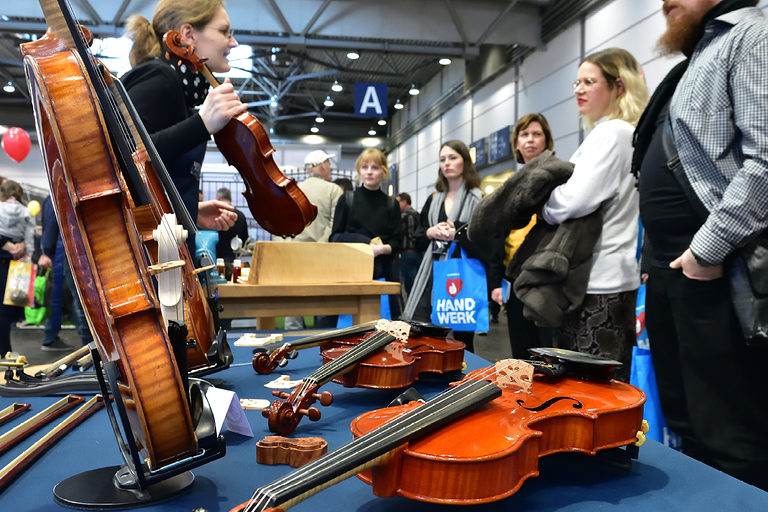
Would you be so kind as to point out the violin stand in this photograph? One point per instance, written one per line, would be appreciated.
(133, 485)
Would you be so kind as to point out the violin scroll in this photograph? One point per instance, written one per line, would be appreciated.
(284, 415)
(265, 363)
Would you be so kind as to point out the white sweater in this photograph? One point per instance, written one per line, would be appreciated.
(601, 176)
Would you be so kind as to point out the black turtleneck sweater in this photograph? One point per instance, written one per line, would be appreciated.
(373, 214)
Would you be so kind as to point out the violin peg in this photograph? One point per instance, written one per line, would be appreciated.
(325, 398)
(281, 394)
(312, 413)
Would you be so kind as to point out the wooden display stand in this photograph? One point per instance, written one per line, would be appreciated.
(307, 278)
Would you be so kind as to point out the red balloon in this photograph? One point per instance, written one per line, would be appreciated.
(16, 143)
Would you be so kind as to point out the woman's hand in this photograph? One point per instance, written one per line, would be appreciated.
(221, 105)
(216, 215)
(497, 297)
(379, 249)
(444, 231)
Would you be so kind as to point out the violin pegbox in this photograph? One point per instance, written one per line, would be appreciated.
(398, 329)
(514, 374)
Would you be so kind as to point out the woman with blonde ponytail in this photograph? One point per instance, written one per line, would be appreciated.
(611, 95)
(165, 94)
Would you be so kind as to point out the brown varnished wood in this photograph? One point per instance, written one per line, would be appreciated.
(488, 454)
(104, 245)
(292, 451)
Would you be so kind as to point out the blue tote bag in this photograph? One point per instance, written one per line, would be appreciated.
(460, 293)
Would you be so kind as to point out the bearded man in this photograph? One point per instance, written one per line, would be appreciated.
(700, 153)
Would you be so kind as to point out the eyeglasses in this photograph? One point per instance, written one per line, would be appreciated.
(588, 83)
(226, 32)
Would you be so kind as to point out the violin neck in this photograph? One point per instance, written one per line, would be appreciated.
(339, 334)
(209, 77)
(370, 448)
(356, 354)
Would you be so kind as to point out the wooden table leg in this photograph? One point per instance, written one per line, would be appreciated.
(266, 323)
(369, 308)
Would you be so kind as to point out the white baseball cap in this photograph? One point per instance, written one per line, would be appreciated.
(317, 157)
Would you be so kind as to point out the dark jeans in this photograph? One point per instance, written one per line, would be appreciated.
(62, 276)
(524, 334)
(409, 266)
(711, 385)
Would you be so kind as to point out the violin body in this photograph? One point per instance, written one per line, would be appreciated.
(202, 332)
(399, 364)
(103, 242)
(276, 201)
(488, 454)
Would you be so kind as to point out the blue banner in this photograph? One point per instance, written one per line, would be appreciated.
(370, 100)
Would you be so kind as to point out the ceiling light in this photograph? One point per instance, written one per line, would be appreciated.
(382, 122)
(444, 61)
(414, 91)
(398, 105)
(328, 101)
(273, 103)
(319, 119)
(353, 55)
(9, 88)
(314, 129)
(336, 87)
(371, 132)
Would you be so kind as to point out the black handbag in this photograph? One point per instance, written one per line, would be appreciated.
(746, 269)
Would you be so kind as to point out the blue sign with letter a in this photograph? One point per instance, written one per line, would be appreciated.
(370, 100)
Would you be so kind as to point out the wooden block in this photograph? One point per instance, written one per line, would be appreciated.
(292, 451)
(310, 263)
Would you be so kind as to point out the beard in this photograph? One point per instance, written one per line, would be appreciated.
(683, 32)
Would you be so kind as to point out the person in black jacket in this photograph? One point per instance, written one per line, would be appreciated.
(240, 229)
(368, 215)
(165, 95)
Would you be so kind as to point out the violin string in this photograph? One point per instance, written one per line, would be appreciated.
(342, 454)
(380, 437)
(118, 114)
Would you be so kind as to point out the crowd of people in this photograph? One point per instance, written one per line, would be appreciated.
(690, 163)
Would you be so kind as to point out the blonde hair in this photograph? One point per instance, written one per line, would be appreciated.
(618, 64)
(376, 156)
(169, 15)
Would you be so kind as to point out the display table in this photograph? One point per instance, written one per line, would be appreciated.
(660, 480)
(266, 301)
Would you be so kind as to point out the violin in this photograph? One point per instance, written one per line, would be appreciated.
(398, 451)
(276, 201)
(389, 358)
(266, 360)
(90, 151)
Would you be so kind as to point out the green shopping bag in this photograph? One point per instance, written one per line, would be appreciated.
(37, 314)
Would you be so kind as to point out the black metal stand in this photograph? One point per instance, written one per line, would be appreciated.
(134, 484)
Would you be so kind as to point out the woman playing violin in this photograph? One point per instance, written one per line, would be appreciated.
(165, 94)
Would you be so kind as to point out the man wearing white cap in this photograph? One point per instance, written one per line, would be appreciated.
(324, 194)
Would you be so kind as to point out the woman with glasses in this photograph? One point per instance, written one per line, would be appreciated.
(165, 94)
(611, 93)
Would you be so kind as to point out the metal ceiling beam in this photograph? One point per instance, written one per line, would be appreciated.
(495, 23)
(312, 21)
(120, 11)
(457, 21)
(281, 17)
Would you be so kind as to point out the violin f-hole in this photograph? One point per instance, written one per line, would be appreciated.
(549, 403)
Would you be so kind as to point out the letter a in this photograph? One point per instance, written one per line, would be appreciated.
(371, 99)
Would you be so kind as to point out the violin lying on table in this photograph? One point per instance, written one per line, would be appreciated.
(388, 358)
(421, 450)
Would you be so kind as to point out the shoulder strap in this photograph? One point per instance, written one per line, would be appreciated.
(676, 168)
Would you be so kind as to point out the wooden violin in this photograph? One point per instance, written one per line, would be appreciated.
(483, 456)
(90, 155)
(385, 359)
(276, 201)
(266, 360)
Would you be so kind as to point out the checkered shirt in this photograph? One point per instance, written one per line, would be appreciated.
(719, 116)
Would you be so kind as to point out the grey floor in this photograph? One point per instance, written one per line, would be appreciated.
(26, 341)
